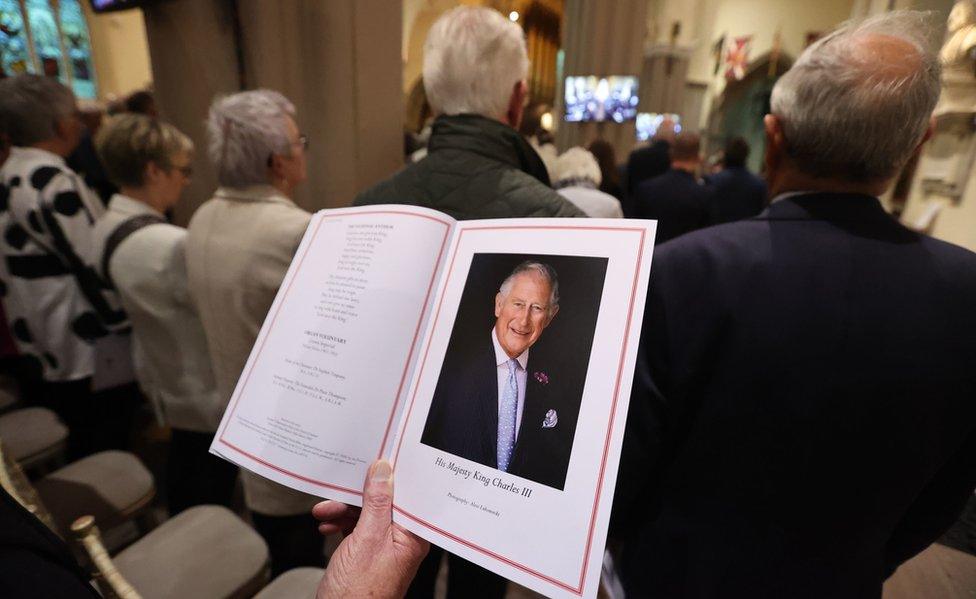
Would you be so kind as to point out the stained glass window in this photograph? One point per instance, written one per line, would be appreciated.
(53, 40)
(47, 41)
(14, 54)
(77, 45)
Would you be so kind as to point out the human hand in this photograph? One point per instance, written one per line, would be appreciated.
(377, 558)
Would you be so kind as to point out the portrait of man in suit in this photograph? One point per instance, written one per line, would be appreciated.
(502, 399)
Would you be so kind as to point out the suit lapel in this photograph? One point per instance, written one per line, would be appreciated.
(531, 420)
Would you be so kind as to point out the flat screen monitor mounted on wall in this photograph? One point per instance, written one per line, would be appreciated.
(648, 123)
(110, 5)
(591, 98)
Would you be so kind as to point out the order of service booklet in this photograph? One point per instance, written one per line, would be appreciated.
(490, 361)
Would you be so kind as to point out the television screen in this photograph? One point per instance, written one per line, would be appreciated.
(648, 122)
(601, 99)
(110, 5)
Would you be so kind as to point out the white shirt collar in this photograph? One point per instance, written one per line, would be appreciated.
(253, 193)
(502, 358)
(126, 205)
(27, 153)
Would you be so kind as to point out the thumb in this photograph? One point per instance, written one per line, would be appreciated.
(377, 512)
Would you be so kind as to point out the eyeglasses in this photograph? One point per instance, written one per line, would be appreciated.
(302, 141)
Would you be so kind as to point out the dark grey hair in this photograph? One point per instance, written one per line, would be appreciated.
(31, 105)
(545, 271)
(850, 113)
(243, 131)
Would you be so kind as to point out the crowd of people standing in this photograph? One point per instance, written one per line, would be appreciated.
(802, 418)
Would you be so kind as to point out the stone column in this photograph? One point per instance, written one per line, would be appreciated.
(191, 46)
(339, 62)
(601, 38)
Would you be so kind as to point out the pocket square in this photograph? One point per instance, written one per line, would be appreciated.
(551, 419)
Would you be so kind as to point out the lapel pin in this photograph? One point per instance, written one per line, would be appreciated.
(551, 419)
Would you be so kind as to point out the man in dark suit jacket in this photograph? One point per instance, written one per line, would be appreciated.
(804, 410)
(676, 199)
(735, 192)
(497, 403)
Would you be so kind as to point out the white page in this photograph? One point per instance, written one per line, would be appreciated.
(319, 398)
(548, 539)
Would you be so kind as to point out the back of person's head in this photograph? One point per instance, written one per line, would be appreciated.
(686, 147)
(736, 152)
(473, 58)
(141, 102)
(606, 157)
(127, 143)
(244, 130)
(91, 112)
(576, 166)
(857, 102)
(32, 105)
(665, 131)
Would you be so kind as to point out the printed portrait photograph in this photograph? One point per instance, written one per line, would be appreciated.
(509, 390)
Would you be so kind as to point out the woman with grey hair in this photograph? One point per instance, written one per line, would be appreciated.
(144, 258)
(239, 246)
(577, 176)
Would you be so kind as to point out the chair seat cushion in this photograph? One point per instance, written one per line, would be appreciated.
(205, 551)
(32, 435)
(299, 583)
(113, 486)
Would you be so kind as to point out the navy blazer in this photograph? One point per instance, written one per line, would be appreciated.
(463, 417)
(804, 406)
(676, 200)
(736, 194)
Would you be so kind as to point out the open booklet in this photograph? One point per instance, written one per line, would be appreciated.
(490, 361)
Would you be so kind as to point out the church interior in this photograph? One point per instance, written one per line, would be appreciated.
(354, 71)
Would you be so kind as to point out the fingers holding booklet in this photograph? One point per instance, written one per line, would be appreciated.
(489, 361)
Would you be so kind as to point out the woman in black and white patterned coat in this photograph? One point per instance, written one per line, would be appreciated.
(59, 312)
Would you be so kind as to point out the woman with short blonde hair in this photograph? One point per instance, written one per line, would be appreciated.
(143, 257)
(129, 142)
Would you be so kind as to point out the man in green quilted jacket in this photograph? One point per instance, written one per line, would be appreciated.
(477, 166)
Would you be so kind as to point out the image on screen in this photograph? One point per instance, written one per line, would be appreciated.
(110, 5)
(648, 122)
(590, 98)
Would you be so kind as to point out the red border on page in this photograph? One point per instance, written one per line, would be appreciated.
(578, 589)
(274, 318)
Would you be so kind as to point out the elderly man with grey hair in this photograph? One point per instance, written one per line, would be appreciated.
(60, 314)
(239, 245)
(803, 417)
(477, 166)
